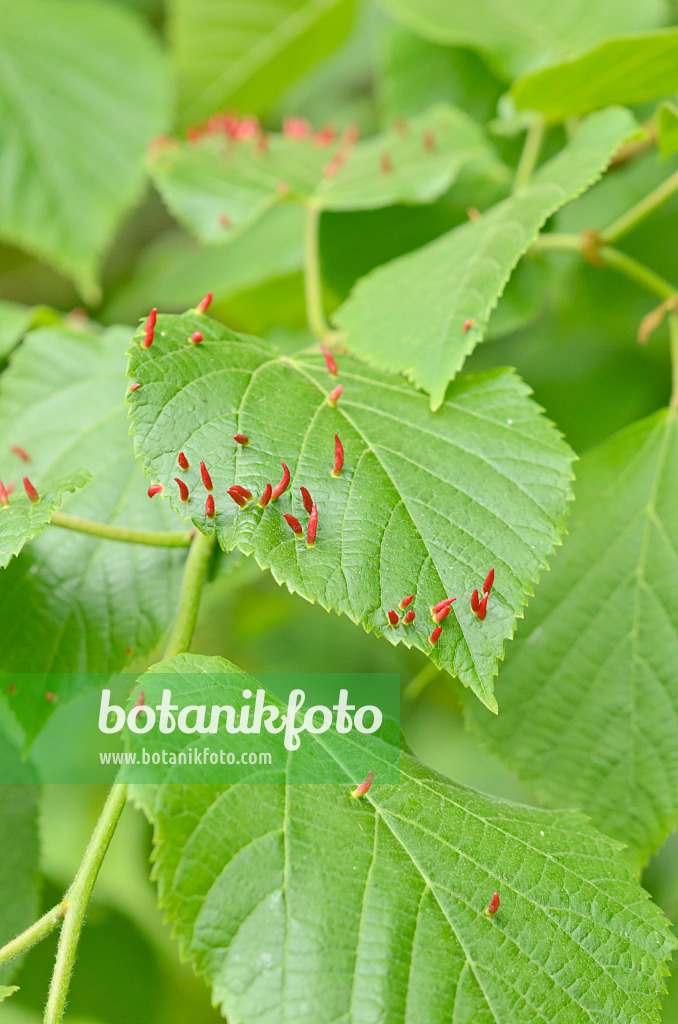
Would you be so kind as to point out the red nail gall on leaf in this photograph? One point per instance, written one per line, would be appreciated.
(364, 786)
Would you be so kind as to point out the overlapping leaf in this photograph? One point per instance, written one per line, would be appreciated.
(627, 70)
(425, 503)
(73, 129)
(301, 903)
(6, 991)
(423, 313)
(71, 602)
(525, 33)
(22, 519)
(589, 697)
(215, 184)
(226, 53)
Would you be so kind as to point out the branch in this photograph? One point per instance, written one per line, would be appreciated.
(36, 933)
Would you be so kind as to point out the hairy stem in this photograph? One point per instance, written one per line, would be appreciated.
(78, 897)
(622, 225)
(530, 153)
(36, 933)
(312, 281)
(611, 257)
(156, 538)
(189, 599)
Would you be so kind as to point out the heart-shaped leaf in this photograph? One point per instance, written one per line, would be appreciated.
(423, 313)
(215, 183)
(301, 903)
(424, 504)
(71, 602)
(22, 519)
(594, 668)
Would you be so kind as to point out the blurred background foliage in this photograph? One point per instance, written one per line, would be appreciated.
(569, 328)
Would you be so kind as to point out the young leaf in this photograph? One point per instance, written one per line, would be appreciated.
(423, 313)
(666, 119)
(22, 519)
(229, 54)
(523, 33)
(589, 694)
(215, 184)
(327, 908)
(73, 129)
(627, 71)
(425, 503)
(71, 602)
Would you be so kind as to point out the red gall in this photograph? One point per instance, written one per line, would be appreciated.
(247, 495)
(494, 905)
(151, 320)
(489, 581)
(224, 220)
(393, 618)
(338, 456)
(10, 488)
(134, 387)
(148, 337)
(351, 134)
(408, 617)
(473, 213)
(183, 489)
(11, 688)
(475, 602)
(266, 496)
(155, 489)
(50, 697)
(385, 163)
(183, 461)
(428, 140)
(435, 635)
(262, 143)
(30, 490)
(196, 337)
(128, 650)
(329, 361)
(4, 496)
(307, 499)
(247, 129)
(335, 394)
(325, 136)
(283, 485)
(443, 613)
(296, 128)
(468, 324)
(241, 438)
(282, 188)
(204, 304)
(406, 600)
(482, 610)
(21, 453)
(141, 700)
(293, 523)
(206, 478)
(209, 507)
(364, 786)
(238, 498)
(442, 604)
(312, 525)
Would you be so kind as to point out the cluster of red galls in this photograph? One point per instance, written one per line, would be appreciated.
(440, 611)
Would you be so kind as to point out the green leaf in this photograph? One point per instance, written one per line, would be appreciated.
(410, 315)
(230, 54)
(626, 71)
(215, 186)
(666, 119)
(177, 271)
(22, 519)
(589, 694)
(20, 854)
(72, 602)
(73, 129)
(426, 503)
(5, 991)
(523, 33)
(301, 903)
(16, 319)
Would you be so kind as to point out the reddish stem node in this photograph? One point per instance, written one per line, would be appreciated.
(482, 610)
(293, 523)
(338, 456)
(210, 511)
(364, 786)
(31, 491)
(183, 461)
(329, 361)
(206, 478)
(241, 438)
(283, 485)
(307, 499)
(312, 525)
(183, 489)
